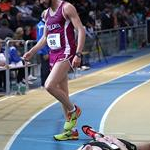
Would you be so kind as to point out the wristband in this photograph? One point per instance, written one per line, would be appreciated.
(79, 54)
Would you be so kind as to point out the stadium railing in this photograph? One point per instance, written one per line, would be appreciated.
(111, 42)
(25, 46)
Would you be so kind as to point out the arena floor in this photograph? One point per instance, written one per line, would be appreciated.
(114, 100)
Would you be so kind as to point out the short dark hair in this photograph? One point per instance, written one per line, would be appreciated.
(4, 22)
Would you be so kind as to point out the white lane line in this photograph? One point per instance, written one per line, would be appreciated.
(23, 126)
(115, 66)
(48, 141)
(109, 80)
(102, 123)
(9, 97)
(6, 98)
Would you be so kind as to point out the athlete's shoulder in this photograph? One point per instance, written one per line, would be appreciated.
(68, 8)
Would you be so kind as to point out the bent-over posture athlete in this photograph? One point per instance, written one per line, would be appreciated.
(61, 19)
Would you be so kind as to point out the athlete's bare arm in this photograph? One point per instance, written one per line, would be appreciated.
(42, 41)
(71, 13)
(40, 44)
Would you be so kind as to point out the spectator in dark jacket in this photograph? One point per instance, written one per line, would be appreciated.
(44, 52)
(5, 31)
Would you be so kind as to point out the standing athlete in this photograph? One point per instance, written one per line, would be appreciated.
(61, 20)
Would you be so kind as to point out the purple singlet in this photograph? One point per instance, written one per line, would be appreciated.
(60, 36)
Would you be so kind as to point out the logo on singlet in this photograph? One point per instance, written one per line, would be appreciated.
(53, 27)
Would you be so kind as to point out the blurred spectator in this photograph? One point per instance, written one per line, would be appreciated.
(122, 18)
(5, 6)
(0, 14)
(24, 9)
(14, 18)
(33, 32)
(44, 52)
(131, 18)
(16, 61)
(25, 14)
(5, 31)
(27, 33)
(2, 65)
(37, 10)
(83, 8)
(2, 55)
(140, 9)
(16, 51)
(6, 17)
(122, 13)
(107, 19)
(148, 13)
(14, 57)
(19, 33)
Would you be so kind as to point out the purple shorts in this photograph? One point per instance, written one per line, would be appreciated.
(56, 56)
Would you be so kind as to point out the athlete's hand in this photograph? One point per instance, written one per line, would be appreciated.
(76, 61)
(27, 56)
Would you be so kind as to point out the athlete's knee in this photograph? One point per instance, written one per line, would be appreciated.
(49, 86)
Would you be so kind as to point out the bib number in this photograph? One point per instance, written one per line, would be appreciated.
(53, 41)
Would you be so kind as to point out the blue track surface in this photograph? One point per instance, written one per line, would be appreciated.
(38, 134)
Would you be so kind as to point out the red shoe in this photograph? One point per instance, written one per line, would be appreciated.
(89, 131)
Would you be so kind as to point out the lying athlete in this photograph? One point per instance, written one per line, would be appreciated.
(102, 142)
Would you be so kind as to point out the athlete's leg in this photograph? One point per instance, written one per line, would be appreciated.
(64, 87)
(54, 80)
(57, 85)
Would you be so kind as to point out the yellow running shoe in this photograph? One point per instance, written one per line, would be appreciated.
(72, 119)
(67, 135)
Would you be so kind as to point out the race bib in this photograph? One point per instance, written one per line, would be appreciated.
(53, 41)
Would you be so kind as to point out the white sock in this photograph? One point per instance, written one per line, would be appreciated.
(73, 110)
(74, 129)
